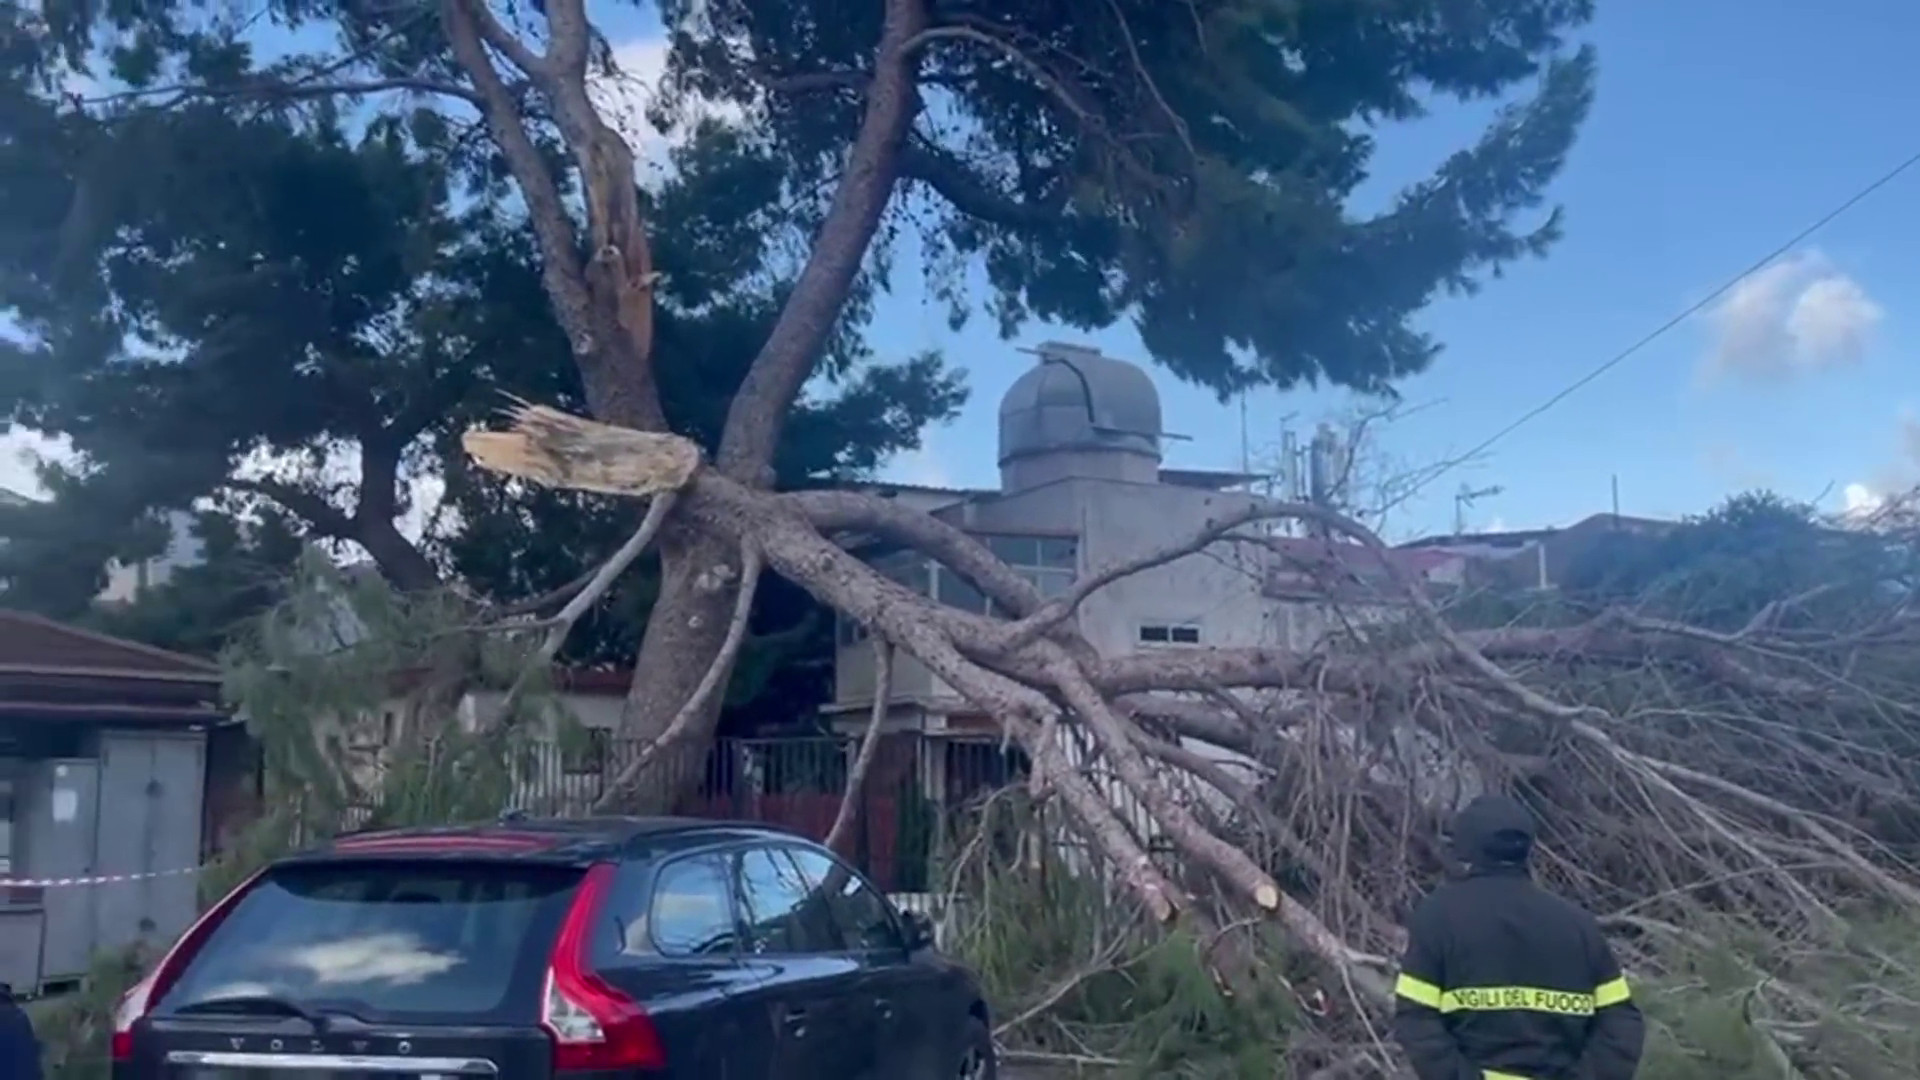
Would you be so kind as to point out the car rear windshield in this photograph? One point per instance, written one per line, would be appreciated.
(379, 939)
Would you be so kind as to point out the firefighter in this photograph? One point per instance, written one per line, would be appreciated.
(1505, 981)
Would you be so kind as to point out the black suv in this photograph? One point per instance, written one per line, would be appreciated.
(590, 950)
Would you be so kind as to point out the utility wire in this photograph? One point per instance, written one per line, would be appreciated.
(1689, 312)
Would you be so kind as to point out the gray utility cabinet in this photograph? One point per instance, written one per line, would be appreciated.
(135, 809)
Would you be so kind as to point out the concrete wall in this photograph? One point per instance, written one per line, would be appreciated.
(1218, 591)
(132, 810)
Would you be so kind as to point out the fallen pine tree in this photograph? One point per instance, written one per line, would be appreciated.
(1762, 776)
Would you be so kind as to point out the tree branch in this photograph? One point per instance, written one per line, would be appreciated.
(851, 800)
(970, 193)
(848, 511)
(759, 410)
(751, 565)
(561, 272)
(322, 516)
(603, 578)
(1377, 725)
(502, 40)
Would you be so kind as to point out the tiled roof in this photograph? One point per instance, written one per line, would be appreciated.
(32, 644)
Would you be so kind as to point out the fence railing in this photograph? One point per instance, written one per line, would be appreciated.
(913, 786)
(919, 799)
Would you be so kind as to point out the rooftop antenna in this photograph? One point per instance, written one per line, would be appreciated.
(1466, 497)
(1246, 451)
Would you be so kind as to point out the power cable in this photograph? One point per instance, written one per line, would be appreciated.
(1689, 312)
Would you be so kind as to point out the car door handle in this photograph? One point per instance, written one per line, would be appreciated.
(884, 1008)
(796, 1020)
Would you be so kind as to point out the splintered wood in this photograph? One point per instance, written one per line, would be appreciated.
(559, 450)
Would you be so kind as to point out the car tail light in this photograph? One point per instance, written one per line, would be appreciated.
(141, 997)
(593, 1025)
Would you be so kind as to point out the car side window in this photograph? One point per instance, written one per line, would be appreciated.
(782, 912)
(691, 913)
(624, 915)
(865, 919)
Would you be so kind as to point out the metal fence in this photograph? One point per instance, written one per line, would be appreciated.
(912, 792)
(919, 803)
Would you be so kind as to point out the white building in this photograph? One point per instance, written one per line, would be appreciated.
(127, 581)
(1082, 486)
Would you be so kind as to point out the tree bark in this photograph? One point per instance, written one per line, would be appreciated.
(699, 585)
(401, 562)
(699, 574)
(601, 286)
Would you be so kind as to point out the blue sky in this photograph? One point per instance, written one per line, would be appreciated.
(1722, 128)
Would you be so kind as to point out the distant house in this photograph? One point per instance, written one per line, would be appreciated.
(564, 773)
(127, 581)
(117, 761)
(1535, 558)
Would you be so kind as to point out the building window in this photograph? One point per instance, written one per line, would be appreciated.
(1170, 634)
(1048, 562)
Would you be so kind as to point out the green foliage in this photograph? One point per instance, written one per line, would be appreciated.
(1029, 925)
(74, 1029)
(1192, 166)
(227, 255)
(1723, 999)
(244, 567)
(1744, 1006)
(354, 693)
(214, 283)
(55, 553)
(1724, 567)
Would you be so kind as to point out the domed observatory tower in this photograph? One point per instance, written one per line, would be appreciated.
(1082, 415)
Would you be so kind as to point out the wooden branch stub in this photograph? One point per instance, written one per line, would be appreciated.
(559, 450)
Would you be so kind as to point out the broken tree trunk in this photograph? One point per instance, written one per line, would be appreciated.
(1659, 755)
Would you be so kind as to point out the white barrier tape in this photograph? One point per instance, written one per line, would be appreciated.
(105, 879)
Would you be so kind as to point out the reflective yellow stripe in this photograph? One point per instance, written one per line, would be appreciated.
(1489, 1074)
(1515, 998)
(1418, 991)
(1611, 993)
(1518, 999)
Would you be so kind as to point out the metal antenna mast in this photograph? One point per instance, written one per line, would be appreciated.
(1466, 497)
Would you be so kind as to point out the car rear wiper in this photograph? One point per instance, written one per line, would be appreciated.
(257, 1003)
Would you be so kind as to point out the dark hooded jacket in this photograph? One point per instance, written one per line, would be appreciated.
(19, 1050)
(1505, 981)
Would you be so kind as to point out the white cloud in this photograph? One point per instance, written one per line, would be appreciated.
(921, 467)
(1859, 500)
(20, 452)
(1863, 498)
(1799, 315)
